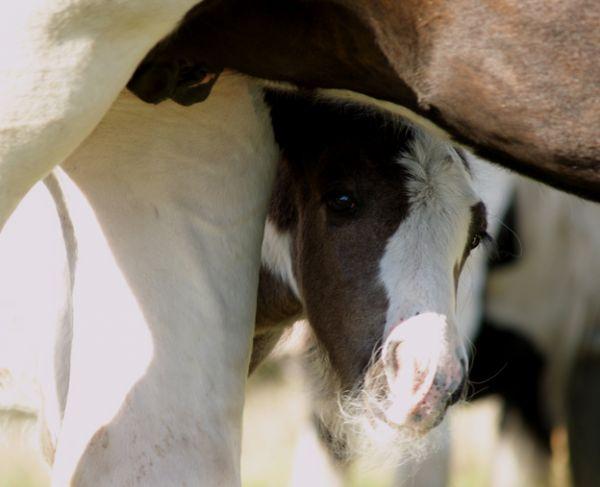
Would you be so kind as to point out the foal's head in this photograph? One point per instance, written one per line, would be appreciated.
(370, 224)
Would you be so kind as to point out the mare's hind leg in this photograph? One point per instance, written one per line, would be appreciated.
(519, 458)
(583, 413)
(62, 65)
(507, 364)
(317, 461)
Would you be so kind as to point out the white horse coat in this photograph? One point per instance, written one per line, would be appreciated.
(162, 211)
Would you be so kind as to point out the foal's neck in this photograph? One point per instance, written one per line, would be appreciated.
(277, 307)
(277, 304)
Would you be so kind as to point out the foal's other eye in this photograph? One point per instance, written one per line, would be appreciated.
(340, 202)
(475, 242)
(477, 239)
(478, 228)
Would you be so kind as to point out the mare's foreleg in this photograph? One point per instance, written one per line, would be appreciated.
(168, 205)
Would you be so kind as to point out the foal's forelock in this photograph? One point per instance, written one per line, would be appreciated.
(430, 161)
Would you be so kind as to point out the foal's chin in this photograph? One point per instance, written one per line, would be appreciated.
(407, 389)
(371, 429)
(368, 429)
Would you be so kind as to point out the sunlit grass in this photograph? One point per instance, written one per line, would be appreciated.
(20, 464)
(275, 417)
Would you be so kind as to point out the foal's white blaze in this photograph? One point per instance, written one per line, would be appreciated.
(417, 270)
(417, 346)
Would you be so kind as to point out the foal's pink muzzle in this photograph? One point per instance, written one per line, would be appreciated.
(425, 369)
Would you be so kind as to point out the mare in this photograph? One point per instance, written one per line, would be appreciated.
(500, 79)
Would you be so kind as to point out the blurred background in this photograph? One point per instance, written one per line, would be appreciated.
(279, 445)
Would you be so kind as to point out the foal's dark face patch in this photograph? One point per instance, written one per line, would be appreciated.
(349, 197)
(339, 251)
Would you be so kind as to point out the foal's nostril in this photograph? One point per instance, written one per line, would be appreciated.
(465, 365)
(464, 361)
(392, 360)
(458, 392)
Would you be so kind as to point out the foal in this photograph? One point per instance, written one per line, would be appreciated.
(370, 223)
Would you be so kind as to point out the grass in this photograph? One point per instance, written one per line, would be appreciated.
(275, 420)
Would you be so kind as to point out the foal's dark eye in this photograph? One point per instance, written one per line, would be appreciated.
(340, 202)
(477, 239)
